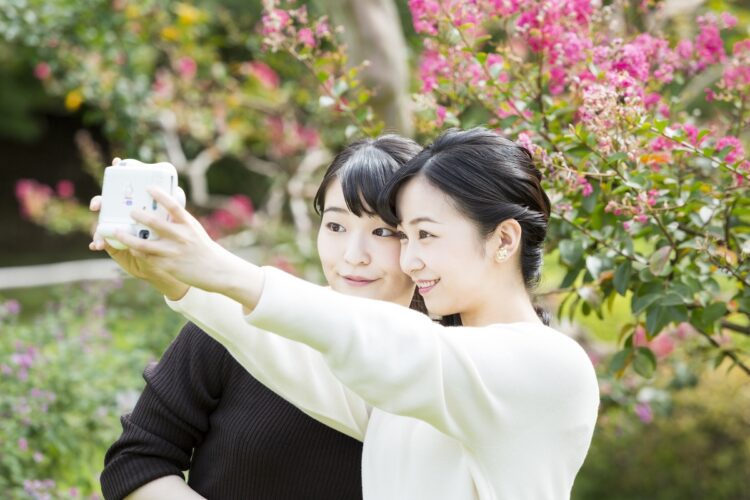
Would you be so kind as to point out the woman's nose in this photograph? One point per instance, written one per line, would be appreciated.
(357, 252)
(410, 261)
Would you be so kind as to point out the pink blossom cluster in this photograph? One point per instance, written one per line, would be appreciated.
(34, 197)
(285, 28)
(288, 137)
(235, 214)
(737, 72)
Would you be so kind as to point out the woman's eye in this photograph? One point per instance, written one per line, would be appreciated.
(424, 234)
(336, 228)
(401, 235)
(384, 232)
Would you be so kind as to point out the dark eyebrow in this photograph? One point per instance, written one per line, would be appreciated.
(422, 219)
(336, 209)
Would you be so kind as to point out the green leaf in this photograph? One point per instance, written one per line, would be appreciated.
(570, 277)
(707, 317)
(644, 362)
(571, 252)
(657, 318)
(657, 264)
(615, 157)
(671, 299)
(641, 302)
(622, 277)
(620, 360)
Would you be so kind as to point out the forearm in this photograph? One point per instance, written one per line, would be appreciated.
(171, 487)
(237, 279)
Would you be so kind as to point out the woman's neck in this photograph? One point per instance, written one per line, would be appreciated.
(509, 307)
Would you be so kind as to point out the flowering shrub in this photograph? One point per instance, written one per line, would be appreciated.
(67, 376)
(648, 183)
(191, 84)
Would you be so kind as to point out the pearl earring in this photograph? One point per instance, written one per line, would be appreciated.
(502, 254)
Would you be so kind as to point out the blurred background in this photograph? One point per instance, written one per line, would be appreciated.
(250, 130)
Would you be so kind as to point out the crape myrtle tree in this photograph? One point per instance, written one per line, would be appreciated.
(194, 84)
(637, 123)
(634, 111)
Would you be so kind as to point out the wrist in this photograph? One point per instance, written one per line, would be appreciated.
(240, 280)
(175, 291)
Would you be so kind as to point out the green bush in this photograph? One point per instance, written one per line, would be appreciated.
(67, 375)
(700, 450)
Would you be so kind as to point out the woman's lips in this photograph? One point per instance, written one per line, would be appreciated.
(357, 280)
(424, 286)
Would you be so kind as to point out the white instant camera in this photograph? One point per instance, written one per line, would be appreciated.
(124, 190)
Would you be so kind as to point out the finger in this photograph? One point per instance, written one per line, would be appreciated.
(151, 221)
(176, 212)
(150, 247)
(115, 161)
(96, 203)
(139, 255)
(96, 246)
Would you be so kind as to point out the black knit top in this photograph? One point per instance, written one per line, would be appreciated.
(202, 412)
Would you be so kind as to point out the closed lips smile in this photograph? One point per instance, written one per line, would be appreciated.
(357, 280)
(424, 286)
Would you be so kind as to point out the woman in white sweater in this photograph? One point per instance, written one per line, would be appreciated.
(503, 407)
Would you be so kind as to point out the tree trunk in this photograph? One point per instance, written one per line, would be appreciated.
(373, 33)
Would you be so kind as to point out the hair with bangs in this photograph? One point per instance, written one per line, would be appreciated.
(489, 179)
(364, 167)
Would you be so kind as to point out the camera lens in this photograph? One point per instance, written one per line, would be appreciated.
(144, 234)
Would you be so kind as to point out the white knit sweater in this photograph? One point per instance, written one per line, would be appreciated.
(505, 411)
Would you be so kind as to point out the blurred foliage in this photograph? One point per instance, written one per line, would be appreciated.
(68, 372)
(700, 448)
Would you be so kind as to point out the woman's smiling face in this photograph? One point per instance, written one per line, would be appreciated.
(360, 255)
(442, 250)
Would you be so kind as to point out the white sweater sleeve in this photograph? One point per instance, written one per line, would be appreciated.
(463, 381)
(291, 369)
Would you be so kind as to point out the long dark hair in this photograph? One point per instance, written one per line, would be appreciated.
(364, 167)
(490, 179)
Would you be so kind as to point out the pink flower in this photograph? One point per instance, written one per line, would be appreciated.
(708, 44)
(586, 187)
(684, 49)
(187, 67)
(736, 153)
(12, 307)
(305, 36)
(23, 444)
(274, 21)
(641, 219)
(424, 14)
(263, 73)
(728, 20)
(38, 457)
(65, 189)
(42, 71)
(644, 413)
(440, 113)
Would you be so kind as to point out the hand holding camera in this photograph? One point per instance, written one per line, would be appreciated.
(124, 190)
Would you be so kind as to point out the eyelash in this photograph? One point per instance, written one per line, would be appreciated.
(385, 229)
(338, 228)
(422, 235)
(333, 227)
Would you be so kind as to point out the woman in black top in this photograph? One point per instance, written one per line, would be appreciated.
(202, 412)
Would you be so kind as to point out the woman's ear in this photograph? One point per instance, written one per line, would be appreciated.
(506, 240)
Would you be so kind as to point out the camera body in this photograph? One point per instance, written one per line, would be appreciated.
(124, 190)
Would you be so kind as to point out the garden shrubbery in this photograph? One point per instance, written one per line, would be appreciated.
(67, 375)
